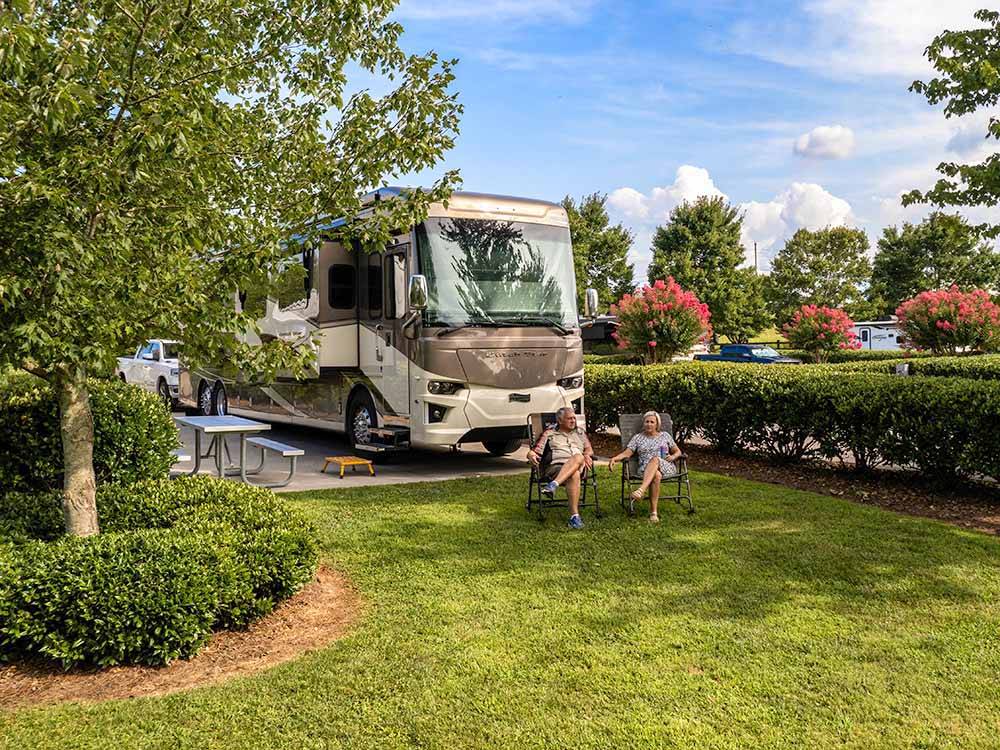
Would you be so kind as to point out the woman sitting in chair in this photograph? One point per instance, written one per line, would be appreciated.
(648, 445)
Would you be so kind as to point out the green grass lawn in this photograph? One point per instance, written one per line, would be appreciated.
(771, 618)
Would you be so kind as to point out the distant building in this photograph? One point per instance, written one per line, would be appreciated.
(879, 334)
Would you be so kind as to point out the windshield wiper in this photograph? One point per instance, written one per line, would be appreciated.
(563, 330)
(477, 324)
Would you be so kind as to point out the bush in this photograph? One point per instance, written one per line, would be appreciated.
(820, 331)
(612, 359)
(176, 560)
(661, 321)
(947, 321)
(975, 367)
(939, 426)
(133, 434)
(859, 355)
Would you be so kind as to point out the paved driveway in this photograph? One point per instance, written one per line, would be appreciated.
(413, 466)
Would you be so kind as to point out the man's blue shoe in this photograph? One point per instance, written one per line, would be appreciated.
(575, 522)
(550, 488)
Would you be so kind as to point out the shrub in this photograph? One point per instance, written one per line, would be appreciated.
(939, 426)
(176, 560)
(611, 359)
(975, 367)
(133, 434)
(661, 321)
(821, 331)
(858, 355)
(947, 321)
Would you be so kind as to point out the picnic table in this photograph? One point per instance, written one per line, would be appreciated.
(218, 428)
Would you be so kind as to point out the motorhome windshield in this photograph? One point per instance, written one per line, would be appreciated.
(497, 271)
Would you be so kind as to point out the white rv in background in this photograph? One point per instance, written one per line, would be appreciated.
(879, 334)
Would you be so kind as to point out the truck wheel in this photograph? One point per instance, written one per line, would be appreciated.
(501, 447)
(220, 401)
(360, 420)
(163, 391)
(122, 376)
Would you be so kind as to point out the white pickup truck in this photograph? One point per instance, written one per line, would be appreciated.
(154, 366)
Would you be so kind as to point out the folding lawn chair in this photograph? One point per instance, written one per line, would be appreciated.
(629, 425)
(537, 424)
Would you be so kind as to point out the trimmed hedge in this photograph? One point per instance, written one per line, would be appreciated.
(612, 359)
(133, 433)
(175, 560)
(858, 355)
(975, 367)
(940, 426)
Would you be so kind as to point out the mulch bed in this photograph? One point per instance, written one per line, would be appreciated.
(970, 506)
(319, 614)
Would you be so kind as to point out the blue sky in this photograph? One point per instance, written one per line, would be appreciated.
(799, 112)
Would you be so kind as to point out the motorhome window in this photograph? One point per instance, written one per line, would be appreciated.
(340, 285)
(395, 301)
(864, 335)
(375, 285)
(481, 270)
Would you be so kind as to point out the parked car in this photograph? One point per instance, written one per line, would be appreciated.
(755, 353)
(155, 367)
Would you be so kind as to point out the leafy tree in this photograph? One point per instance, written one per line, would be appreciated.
(700, 248)
(947, 321)
(821, 331)
(661, 321)
(743, 312)
(941, 251)
(600, 251)
(826, 267)
(967, 63)
(156, 157)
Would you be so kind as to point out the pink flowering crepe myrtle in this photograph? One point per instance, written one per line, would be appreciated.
(947, 321)
(661, 321)
(821, 330)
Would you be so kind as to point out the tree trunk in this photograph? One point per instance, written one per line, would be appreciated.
(76, 424)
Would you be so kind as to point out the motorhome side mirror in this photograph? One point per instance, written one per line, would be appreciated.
(590, 303)
(418, 292)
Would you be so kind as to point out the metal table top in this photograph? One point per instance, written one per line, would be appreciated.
(214, 425)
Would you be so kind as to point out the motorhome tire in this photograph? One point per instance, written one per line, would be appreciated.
(205, 400)
(220, 401)
(361, 418)
(501, 447)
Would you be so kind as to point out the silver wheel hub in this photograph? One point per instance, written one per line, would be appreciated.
(206, 401)
(362, 426)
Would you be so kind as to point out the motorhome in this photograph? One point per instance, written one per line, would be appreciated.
(462, 327)
(879, 334)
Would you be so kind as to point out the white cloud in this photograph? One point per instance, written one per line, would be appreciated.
(567, 11)
(689, 184)
(801, 206)
(826, 142)
(853, 38)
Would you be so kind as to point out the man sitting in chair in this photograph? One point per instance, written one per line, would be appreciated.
(572, 455)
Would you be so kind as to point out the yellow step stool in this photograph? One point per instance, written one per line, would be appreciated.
(344, 461)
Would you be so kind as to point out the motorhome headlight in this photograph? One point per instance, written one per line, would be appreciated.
(571, 384)
(175, 372)
(443, 387)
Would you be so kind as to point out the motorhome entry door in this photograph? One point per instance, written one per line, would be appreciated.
(382, 345)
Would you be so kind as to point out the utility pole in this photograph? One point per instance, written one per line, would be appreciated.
(755, 270)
